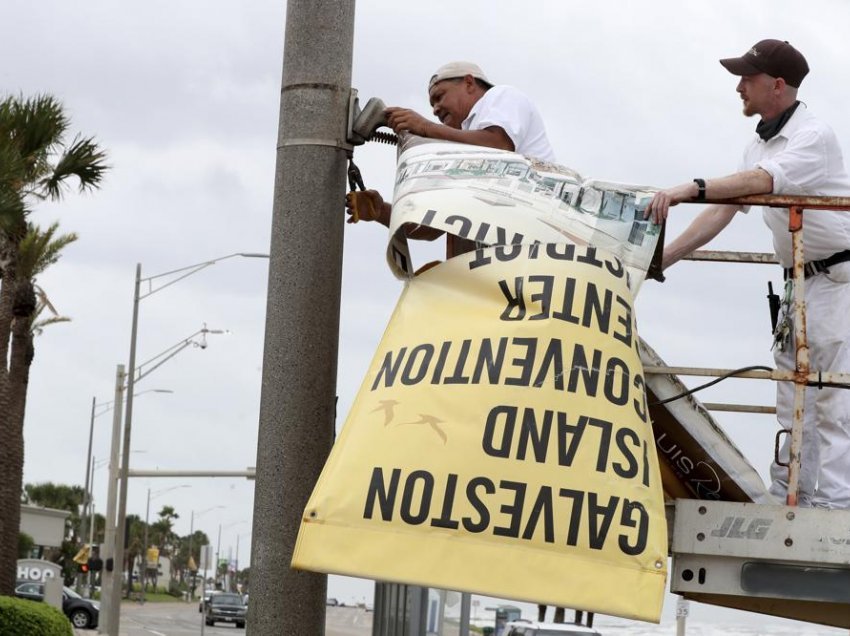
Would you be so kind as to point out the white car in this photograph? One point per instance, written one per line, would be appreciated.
(202, 604)
(535, 628)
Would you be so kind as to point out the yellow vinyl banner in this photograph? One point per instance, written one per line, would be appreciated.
(500, 442)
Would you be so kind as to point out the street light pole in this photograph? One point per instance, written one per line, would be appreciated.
(238, 536)
(237, 559)
(191, 557)
(217, 548)
(87, 498)
(90, 582)
(90, 521)
(114, 610)
(110, 606)
(115, 596)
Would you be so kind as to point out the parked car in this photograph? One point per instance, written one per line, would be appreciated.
(332, 602)
(535, 628)
(82, 612)
(28, 590)
(225, 608)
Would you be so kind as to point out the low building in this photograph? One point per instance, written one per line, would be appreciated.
(46, 526)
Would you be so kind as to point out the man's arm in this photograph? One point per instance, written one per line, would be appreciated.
(404, 119)
(756, 181)
(702, 229)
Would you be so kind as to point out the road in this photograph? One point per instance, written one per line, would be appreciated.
(183, 619)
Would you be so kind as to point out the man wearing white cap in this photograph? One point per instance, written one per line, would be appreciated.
(473, 111)
(793, 152)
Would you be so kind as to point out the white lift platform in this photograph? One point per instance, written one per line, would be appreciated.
(731, 544)
(779, 560)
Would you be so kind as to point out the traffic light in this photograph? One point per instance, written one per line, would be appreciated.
(95, 564)
(84, 567)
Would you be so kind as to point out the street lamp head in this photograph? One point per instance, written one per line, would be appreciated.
(200, 512)
(204, 331)
(162, 491)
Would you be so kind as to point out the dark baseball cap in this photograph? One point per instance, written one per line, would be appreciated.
(777, 58)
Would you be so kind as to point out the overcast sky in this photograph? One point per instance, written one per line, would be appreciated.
(185, 95)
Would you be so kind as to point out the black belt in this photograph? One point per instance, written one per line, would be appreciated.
(816, 267)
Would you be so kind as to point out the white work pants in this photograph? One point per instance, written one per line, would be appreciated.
(825, 455)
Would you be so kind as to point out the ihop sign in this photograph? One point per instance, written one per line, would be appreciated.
(37, 570)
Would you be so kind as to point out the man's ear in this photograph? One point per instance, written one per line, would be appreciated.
(469, 83)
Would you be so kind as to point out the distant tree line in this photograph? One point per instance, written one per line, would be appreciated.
(161, 535)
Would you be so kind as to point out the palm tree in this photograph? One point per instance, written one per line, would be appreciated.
(36, 164)
(164, 537)
(164, 528)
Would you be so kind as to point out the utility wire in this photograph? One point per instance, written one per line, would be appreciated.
(730, 374)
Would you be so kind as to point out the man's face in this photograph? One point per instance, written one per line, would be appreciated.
(758, 94)
(451, 101)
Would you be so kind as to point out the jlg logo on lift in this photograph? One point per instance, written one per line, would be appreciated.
(733, 528)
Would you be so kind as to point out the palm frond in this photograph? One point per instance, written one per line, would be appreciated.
(34, 158)
(35, 127)
(44, 302)
(41, 248)
(84, 160)
(39, 325)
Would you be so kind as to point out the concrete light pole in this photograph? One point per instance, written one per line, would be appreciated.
(111, 608)
(108, 617)
(90, 582)
(86, 498)
(297, 407)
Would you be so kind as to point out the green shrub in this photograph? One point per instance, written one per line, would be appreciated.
(20, 617)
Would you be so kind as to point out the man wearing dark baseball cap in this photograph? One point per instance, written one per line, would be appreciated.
(792, 152)
(773, 57)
